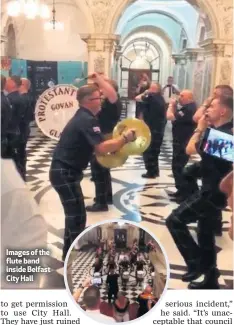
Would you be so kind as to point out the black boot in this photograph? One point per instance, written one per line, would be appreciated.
(96, 207)
(174, 195)
(210, 281)
(150, 175)
(191, 275)
(109, 200)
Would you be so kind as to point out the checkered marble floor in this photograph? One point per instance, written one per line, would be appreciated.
(82, 268)
(136, 199)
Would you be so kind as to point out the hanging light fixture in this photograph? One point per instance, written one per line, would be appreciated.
(54, 24)
(44, 11)
(30, 8)
(13, 8)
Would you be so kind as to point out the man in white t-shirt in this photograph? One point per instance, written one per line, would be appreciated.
(22, 226)
(170, 90)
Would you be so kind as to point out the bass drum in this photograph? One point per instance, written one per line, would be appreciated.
(54, 109)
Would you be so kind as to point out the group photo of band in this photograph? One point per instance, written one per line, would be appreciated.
(117, 268)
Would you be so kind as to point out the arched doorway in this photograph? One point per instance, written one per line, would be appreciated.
(186, 46)
(138, 58)
(203, 5)
(143, 50)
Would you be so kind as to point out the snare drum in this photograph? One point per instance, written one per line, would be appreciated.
(121, 258)
(125, 275)
(140, 274)
(97, 275)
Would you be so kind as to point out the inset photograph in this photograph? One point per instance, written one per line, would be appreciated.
(116, 272)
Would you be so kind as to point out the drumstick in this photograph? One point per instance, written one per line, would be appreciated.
(78, 80)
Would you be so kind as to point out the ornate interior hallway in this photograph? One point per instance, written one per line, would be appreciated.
(135, 199)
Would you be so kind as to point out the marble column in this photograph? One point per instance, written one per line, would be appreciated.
(110, 232)
(191, 55)
(218, 65)
(198, 78)
(100, 52)
(222, 52)
(180, 70)
(117, 55)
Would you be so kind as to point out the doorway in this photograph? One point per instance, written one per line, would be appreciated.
(142, 239)
(120, 236)
(134, 79)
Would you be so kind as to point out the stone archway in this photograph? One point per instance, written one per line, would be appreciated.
(152, 29)
(159, 39)
(207, 6)
(217, 50)
(165, 13)
(85, 8)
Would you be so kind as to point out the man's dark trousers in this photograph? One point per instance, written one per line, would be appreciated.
(66, 182)
(179, 161)
(102, 181)
(151, 155)
(201, 207)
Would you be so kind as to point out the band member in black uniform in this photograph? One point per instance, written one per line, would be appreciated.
(203, 206)
(140, 264)
(79, 139)
(154, 115)
(192, 173)
(133, 258)
(98, 265)
(108, 118)
(124, 264)
(26, 118)
(112, 282)
(111, 263)
(220, 90)
(143, 85)
(182, 130)
(13, 84)
(6, 109)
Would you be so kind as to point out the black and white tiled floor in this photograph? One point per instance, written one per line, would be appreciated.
(135, 199)
(82, 268)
